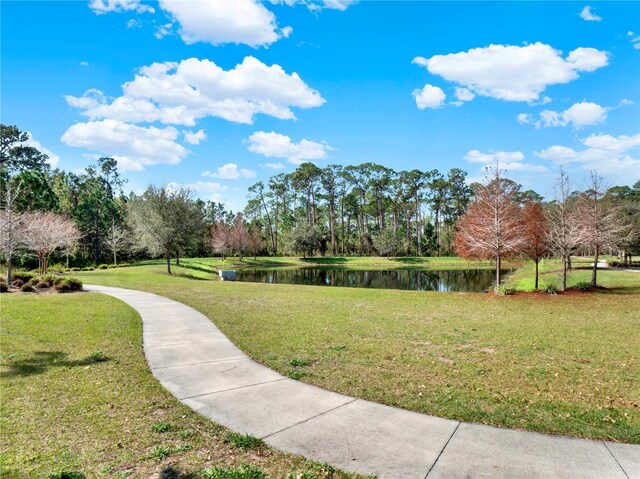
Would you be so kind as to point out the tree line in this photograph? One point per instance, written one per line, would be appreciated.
(86, 218)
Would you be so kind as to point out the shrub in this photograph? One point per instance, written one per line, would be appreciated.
(74, 269)
(23, 276)
(41, 284)
(582, 286)
(550, 288)
(103, 266)
(3, 287)
(27, 288)
(74, 283)
(88, 268)
(240, 472)
(35, 280)
(56, 269)
(111, 266)
(63, 287)
(17, 283)
(503, 290)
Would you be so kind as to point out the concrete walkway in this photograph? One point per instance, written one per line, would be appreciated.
(204, 370)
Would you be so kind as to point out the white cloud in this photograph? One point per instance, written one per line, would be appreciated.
(464, 94)
(182, 93)
(524, 118)
(273, 166)
(134, 147)
(163, 30)
(588, 14)
(207, 189)
(429, 97)
(194, 137)
(106, 6)
(635, 40)
(513, 73)
(133, 23)
(607, 154)
(84, 63)
(275, 145)
(230, 171)
(508, 160)
(578, 115)
(53, 159)
(213, 21)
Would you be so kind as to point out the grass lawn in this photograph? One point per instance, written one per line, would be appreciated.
(77, 395)
(565, 364)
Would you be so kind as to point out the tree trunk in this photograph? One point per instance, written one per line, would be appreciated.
(594, 273)
(536, 286)
(9, 268)
(168, 264)
(178, 258)
(332, 225)
(498, 265)
(564, 273)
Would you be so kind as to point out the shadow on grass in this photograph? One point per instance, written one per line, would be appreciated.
(327, 260)
(173, 473)
(198, 268)
(41, 361)
(411, 260)
(190, 276)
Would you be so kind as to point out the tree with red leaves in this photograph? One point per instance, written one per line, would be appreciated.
(536, 231)
(492, 227)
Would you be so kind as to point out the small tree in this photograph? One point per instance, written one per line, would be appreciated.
(564, 234)
(601, 227)
(10, 225)
(43, 232)
(256, 243)
(387, 242)
(117, 238)
(219, 238)
(536, 232)
(492, 226)
(239, 236)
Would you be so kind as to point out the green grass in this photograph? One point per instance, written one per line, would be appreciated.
(565, 364)
(77, 396)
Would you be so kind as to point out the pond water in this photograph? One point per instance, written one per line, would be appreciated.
(463, 280)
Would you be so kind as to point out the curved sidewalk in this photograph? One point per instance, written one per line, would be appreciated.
(203, 369)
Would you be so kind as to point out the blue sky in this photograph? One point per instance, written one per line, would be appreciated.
(218, 94)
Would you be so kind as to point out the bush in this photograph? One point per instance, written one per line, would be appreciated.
(17, 283)
(88, 268)
(582, 286)
(42, 284)
(3, 287)
(27, 288)
(550, 288)
(502, 290)
(74, 269)
(23, 276)
(56, 269)
(103, 266)
(111, 266)
(67, 285)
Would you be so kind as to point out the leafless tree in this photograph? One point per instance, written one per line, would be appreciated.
(239, 236)
(43, 232)
(256, 243)
(492, 226)
(117, 239)
(564, 231)
(600, 225)
(536, 232)
(10, 225)
(219, 238)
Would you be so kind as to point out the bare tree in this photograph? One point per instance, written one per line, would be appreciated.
(43, 232)
(492, 226)
(219, 238)
(10, 224)
(117, 238)
(600, 225)
(536, 232)
(564, 233)
(239, 236)
(256, 243)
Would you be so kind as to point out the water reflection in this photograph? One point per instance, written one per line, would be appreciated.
(463, 280)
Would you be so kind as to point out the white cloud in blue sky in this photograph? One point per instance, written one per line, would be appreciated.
(513, 73)
(588, 14)
(578, 115)
(276, 145)
(230, 171)
(429, 97)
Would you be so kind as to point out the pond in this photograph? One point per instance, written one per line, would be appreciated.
(462, 280)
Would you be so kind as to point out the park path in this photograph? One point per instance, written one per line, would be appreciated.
(189, 355)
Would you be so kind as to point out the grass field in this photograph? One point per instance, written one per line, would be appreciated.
(77, 395)
(565, 364)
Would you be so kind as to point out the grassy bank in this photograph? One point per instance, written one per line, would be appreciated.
(564, 364)
(77, 395)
